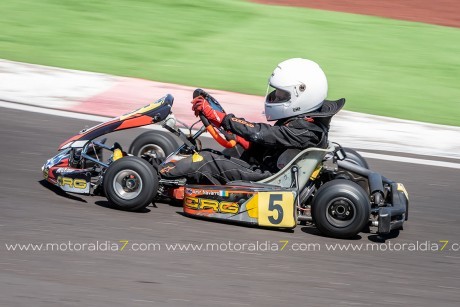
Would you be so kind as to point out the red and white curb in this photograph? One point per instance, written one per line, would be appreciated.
(106, 95)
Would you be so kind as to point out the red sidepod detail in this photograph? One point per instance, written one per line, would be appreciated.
(200, 212)
(74, 138)
(178, 193)
(136, 121)
(147, 115)
(89, 131)
(50, 176)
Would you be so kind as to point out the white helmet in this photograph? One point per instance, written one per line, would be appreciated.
(296, 86)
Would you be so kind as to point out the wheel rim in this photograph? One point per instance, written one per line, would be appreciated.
(153, 150)
(127, 184)
(340, 212)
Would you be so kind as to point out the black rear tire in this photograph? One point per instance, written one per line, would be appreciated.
(340, 209)
(354, 157)
(158, 143)
(130, 183)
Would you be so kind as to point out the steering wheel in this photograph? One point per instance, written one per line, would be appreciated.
(228, 141)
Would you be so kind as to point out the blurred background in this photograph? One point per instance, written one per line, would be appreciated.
(383, 66)
(404, 64)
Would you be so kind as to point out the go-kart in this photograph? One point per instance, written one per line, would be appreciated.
(331, 187)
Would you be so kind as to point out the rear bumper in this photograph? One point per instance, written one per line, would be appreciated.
(393, 216)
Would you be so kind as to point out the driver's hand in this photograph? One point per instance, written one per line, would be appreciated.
(243, 142)
(201, 105)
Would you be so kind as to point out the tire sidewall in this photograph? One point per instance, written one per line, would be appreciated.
(345, 189)
(149, 183)
(354, 157)
(162, 139)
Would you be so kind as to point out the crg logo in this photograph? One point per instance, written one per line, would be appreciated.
(72, 183)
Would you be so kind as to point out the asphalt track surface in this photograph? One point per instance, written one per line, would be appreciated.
(32, 213)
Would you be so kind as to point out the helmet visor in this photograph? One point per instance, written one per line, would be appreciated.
(276, 95)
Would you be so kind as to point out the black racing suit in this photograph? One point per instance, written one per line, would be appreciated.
(267, 143)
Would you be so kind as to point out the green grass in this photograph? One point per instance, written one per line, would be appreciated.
(382, 66)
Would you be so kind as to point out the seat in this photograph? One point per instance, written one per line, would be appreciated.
(306, 161)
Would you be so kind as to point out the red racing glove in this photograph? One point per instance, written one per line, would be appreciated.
(239, 139)
(201, 105)
(243, 142)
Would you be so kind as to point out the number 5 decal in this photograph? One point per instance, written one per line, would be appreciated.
(276, 209)
(272, 206)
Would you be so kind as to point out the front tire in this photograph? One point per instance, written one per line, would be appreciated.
(130, 183)
(340, 209)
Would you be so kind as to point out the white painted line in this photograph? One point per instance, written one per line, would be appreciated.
(28, 108)
(96, 118)
(68, 114)
(410, 160)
